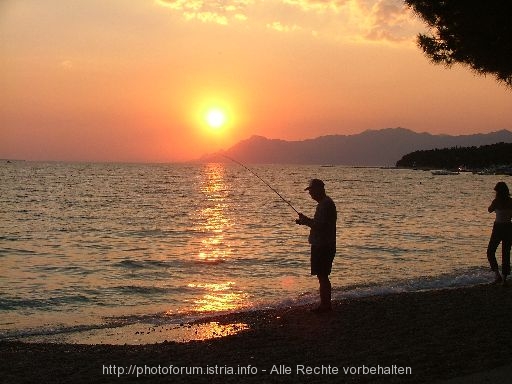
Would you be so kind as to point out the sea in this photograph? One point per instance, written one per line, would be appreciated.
(84, 246)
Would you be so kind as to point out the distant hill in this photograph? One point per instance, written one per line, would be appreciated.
(373, 147)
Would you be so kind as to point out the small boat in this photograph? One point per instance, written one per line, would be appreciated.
(439, 172)
(484, 172)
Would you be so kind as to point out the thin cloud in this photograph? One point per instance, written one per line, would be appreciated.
(215, 11)
(391, 20)
(318, 5)
(279, 27)
(374, 20)
(352, 20)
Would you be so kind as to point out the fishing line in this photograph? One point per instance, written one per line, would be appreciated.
(267, 184)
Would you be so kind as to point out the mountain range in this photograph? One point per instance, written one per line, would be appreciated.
(370, 148)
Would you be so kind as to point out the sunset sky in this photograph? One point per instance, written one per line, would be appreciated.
(117, 80)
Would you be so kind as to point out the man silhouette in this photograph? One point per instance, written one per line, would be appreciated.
(322, 237)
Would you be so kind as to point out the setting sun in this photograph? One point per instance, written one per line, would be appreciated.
(215, 118)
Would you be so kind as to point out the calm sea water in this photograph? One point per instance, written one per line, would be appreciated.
(85, 244)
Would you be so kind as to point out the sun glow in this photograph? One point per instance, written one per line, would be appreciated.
(220, 118)
(215, 118)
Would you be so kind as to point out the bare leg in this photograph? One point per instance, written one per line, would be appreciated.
(494, 242)
(505, 257)
(325, 292)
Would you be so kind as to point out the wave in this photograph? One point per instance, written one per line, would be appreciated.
(17, 251)
(466, 278)
(141, 264)
(49, 331)
(463, 279)
(148, 290)
(210, 261)
(9, 304)
(133, 265)
(67, 269)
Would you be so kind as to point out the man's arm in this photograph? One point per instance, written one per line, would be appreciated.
(492, 207)
(304, 220)
(312, 223)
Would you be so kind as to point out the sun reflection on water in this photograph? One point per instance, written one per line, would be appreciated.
(219, 297)
(212, 220)
(143, 333)
(214, 329)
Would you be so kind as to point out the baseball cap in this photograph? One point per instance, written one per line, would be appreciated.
(315, 184)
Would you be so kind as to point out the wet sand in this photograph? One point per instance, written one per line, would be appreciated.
(422, 337)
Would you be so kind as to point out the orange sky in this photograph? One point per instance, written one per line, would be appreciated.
(116, 80)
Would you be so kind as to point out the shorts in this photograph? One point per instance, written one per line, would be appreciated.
(322, 257)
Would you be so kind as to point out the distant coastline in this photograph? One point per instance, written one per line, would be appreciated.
(494, 158)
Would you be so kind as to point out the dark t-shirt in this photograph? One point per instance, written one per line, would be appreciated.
(323, 230)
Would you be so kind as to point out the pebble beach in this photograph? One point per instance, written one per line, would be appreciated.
(420, 337)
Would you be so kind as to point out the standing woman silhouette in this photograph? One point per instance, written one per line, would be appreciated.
(501, 232)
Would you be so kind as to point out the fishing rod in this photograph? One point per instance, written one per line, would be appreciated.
(267, 184)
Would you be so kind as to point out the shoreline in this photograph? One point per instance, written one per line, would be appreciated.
(157, 327)
(440, 335)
